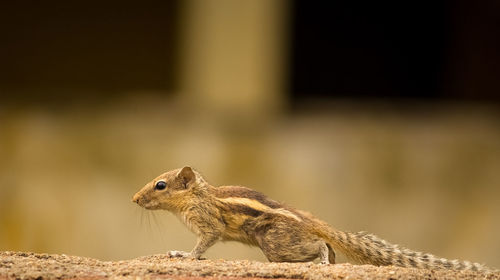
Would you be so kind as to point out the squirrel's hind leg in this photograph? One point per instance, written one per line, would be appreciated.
(288, 241)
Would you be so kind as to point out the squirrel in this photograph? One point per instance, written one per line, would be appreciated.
(284, 234)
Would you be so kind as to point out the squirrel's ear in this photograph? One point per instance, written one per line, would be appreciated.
(186, 174)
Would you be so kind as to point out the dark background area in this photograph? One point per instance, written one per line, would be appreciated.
(62, 49)
(369, 49)
(356, 49)
(426, 50)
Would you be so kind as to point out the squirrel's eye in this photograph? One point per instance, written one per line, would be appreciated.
(160, 185)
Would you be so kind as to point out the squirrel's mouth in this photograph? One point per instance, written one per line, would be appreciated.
(151, 205)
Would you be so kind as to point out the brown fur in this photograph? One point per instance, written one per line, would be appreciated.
(284, 234)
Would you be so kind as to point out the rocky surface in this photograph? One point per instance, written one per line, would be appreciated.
(20, 265)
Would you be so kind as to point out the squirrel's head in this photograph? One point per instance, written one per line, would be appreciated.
(170, 190)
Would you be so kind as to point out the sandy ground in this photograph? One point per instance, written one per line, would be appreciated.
(20, 265)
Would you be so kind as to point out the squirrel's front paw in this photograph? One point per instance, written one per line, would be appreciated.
(178, 254)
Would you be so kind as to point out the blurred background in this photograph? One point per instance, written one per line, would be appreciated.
(374, 116)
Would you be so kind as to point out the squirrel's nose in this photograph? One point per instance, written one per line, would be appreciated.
(135, 198)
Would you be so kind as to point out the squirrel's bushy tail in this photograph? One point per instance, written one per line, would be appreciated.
(365, 248)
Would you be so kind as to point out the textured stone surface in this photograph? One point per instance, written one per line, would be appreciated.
(21, 265)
